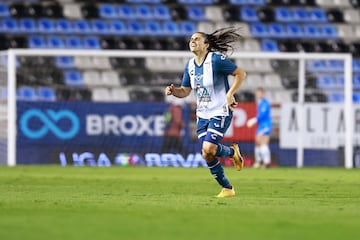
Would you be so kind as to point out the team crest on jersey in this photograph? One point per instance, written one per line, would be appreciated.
(198, 77)
(202, 94)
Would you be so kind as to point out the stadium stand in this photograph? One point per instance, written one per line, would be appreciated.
(268, 25)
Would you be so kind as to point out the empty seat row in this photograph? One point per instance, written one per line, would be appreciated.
(99, 27)
(101, 78)
(284, 14)
(316, 66)
(73, 42)
(327, 81)
(82, 62)
(140, 11)
(27, 93)
(293, 30)
(248, 2)
(323, 46)
(32, 8)
(338, 97)
(127, 94)
(332, 65)
(269, 81)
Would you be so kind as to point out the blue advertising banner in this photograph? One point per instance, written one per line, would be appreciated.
(46, 129)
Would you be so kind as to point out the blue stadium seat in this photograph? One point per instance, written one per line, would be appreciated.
(9, 25)
(259, 30)
(339, 81)
(26, 93)
(317, 15)
(73, 78)
(240, 2)
(256, 2)
(3, 93)
(73, 42)
(36, 42)
(277, 30)
(171, 28)
(196, 13)
(143, 12)
(294, 30)
(336, 97)
(189, 2)
(248, 14)
(64, 62)
(82, 27)
(46, 94)
(108, 11)
(334, 66)
(301, 15)
(99, 27)
(268, 45)
(27, 25)
(356, 82)
(153, 28)
(356, 97)
(356, 65)
(329, 31)
(64, 26)
(135, 28)
(126, 12)
(55, 42)
(4, 10)
(283, 14)
(162, 12)
(46, 25)
(92, 42)
(316, 66)
(117, 27)
(187, 28)
(326, 82)
(312, 31)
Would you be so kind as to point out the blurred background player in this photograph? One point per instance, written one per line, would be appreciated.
(172, 141)
(262, 138)
(207, 74)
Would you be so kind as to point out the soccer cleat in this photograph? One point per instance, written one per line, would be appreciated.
(226, 192)
(237, 159)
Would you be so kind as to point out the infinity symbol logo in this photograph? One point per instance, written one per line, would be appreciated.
(49, 118)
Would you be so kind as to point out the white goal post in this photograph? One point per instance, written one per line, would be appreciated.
(12, 54)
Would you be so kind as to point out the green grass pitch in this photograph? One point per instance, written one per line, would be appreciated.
(50, 202)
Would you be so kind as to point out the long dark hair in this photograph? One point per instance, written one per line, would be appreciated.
(222, 40)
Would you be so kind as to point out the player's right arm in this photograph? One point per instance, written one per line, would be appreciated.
(179, 92)
(185, 88)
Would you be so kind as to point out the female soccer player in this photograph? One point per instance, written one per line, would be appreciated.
(263, 118)
(207, 74)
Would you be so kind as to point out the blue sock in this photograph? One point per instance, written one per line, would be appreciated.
(224, 151)
(217, 171)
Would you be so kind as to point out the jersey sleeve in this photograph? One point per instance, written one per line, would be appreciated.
(223, 64)
(186, 77)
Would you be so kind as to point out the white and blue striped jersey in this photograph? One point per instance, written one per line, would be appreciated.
(210, 83)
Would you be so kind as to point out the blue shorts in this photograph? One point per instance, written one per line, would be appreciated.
(213, 129)
(264, 131)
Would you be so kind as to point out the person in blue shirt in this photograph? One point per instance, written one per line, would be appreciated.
(262, 138)
(207, 75)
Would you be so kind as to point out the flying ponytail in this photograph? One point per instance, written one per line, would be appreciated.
(222, 40)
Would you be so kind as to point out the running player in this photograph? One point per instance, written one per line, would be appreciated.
(263, 119)
(207, 74)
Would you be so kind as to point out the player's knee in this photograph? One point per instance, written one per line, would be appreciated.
(208, 154)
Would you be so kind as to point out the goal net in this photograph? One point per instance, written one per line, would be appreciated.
(81, 107)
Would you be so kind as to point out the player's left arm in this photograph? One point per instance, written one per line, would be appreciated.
(240, 76)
